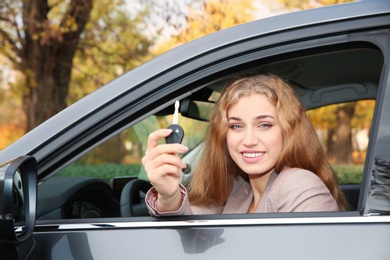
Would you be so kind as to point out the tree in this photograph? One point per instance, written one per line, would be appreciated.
(41, 40)
(340, 122)
(343, 133)
(208, 16)
(11, 124)
(113, 42)
(66, 49)
(45, 39)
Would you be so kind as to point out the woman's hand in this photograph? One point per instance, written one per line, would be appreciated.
(164, 168)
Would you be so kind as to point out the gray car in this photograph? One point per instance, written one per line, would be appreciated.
(73, 188)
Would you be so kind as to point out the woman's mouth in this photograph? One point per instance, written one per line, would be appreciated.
(252, 155)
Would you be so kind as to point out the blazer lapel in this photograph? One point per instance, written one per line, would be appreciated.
(263, 205)
(242, 195)
(240, 198)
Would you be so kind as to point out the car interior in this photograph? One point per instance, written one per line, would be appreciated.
(320, 76)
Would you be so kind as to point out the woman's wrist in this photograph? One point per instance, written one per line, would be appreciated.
(170, 203)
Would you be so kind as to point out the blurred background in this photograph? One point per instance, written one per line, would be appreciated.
(54, 52)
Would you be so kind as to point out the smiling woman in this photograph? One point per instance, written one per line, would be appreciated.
(255, 142)
(261, 155)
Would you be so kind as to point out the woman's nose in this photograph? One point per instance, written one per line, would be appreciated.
(250, 138)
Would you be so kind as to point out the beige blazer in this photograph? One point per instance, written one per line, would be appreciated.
(292, 190)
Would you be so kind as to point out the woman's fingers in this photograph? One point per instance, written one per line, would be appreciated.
(162, 164)
(155, 136)
(154, 149)
(165, 149)
(164, 159)
(164, 177)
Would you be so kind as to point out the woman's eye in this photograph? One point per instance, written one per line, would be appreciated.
(235, 127)
(265, 125)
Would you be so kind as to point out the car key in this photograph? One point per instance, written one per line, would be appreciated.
(177, 131)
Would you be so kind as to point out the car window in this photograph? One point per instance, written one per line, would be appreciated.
(91, 186)
(329, 82)
(344, 130)
(121, 155)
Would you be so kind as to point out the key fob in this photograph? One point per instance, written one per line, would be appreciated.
(176, 136)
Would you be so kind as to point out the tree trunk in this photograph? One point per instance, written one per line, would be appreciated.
(343, 144)
(330, 143)
(47, 56)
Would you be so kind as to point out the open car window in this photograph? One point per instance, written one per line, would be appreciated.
(331, 82)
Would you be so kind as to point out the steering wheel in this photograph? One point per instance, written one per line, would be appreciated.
(132, 201)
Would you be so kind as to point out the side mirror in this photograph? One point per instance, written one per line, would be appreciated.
(18, 197)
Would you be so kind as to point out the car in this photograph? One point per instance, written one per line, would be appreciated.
(74, 188)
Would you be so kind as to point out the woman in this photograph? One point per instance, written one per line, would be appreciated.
(261, 154)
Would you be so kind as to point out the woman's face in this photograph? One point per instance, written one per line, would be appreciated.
(254, 137)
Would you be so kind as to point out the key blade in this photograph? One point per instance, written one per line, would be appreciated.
(177, 131)
(176, 113)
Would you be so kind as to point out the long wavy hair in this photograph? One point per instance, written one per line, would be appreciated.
(213, 178)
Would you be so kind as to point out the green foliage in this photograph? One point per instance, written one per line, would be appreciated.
(114, 41)
(112, 151)
(104, 171)
(349, 174)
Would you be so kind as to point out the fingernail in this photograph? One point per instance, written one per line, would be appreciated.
(183, 148)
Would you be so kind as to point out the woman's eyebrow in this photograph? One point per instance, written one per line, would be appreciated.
(264, 116)
(234, 118)
(257, 118)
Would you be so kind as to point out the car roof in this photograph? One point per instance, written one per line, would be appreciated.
(193, 51)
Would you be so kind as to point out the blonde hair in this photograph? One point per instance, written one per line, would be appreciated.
(213, 178)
